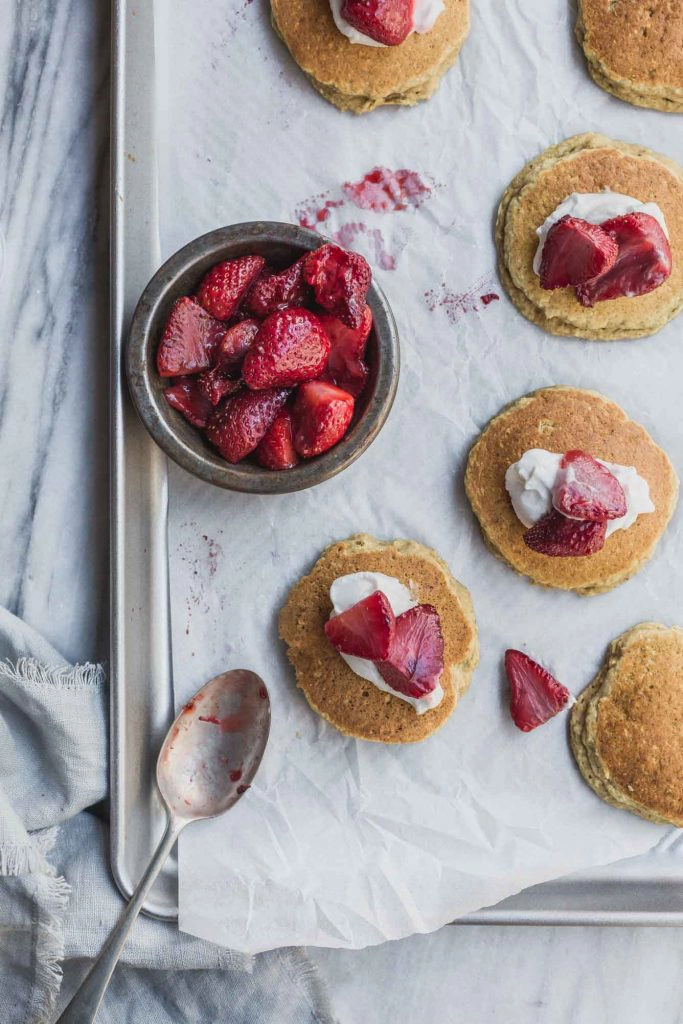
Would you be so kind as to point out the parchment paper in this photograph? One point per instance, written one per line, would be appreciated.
(341, 843)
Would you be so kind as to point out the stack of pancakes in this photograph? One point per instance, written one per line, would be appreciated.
(560, 419)
(634, 50)
(360, 78)
(626, 727)
(353, 705)
(588, 163)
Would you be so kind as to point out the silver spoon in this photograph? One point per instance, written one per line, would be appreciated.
(209, 757)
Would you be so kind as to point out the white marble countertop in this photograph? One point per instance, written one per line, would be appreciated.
(53, 543)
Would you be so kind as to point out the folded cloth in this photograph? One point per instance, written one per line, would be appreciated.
(57, 900)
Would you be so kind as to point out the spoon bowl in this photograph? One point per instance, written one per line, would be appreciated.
(214, 747)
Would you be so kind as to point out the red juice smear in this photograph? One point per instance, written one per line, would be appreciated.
(457, 304)
(229, 723)
(316, 211)
(386, 191)
(348, 233)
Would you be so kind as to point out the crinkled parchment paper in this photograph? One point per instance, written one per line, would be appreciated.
(341, 843)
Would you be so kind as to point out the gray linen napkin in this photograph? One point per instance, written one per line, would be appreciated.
(57, 900)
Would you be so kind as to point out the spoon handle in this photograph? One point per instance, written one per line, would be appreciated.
(86, 1001)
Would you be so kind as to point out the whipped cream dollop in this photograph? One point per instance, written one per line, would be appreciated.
(595, 207)
(530, 482)
(356, 586)
(424, 18)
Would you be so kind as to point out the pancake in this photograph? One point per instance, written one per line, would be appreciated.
(635, 50)
(588, 163)
(560, 419)
(359, 78)
(626, 729)
(351, 704)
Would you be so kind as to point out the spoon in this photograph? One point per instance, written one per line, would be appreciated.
(209, 757)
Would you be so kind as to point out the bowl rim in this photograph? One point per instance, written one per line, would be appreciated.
(157, 415)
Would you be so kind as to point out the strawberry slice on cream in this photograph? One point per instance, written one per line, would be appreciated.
(407, 646)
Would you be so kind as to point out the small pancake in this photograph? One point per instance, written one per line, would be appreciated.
(588, 163)
(351, 704)
(635, 50)
(626, 729)
(560, 419)
(360, 78)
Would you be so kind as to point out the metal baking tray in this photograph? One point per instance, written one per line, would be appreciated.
(645, 890)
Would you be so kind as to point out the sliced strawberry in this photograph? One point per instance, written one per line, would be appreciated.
(290, 347)
(237, 425)
(322, 414)
(535, 695)
(226, 284)
(365, 630)
(345, 367)
(575, 251)
(276, 450)
(271, 292)
(189, 340)
(217, 385)
(186, 395)
(415, 661)
(340, 280)
(585, 489)
(235, 344)
(642, 264)
(559, 537)
(386, 21)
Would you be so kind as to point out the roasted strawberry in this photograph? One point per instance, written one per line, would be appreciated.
(642, 264)
(276, 450)
(559, 537)
(271, 291)
(386, 21)
(322, 414)
(340, 280)
(226, 284)
(365, 630)
(345, 367)
(217, 385)
(535, 695)
(189, 341)
(586, 489)
(186, 395)
(236, 426)
(415, 660)
(575, 251)
(290, 347)
(235, 344)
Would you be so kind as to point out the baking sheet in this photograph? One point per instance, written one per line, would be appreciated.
(482, 355)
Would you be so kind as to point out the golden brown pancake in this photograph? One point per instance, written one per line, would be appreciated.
(360, 78)
(626, 729)
(588, 163)
(353, 705)
(635, 49)
(560, 419)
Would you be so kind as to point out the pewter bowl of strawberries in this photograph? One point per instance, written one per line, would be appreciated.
(263, 358)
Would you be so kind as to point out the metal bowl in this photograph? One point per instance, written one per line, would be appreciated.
(280, 244)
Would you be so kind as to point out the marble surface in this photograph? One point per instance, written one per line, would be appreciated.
(54, 64)
(53, 514)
